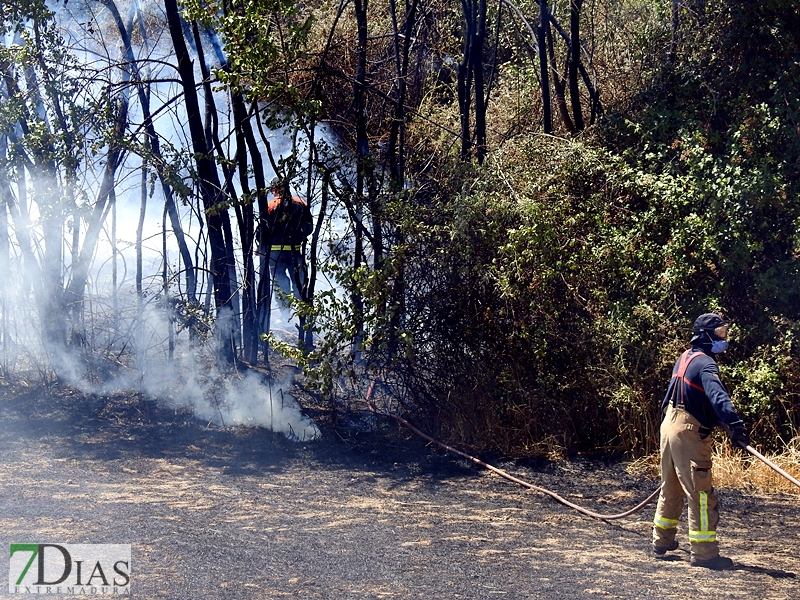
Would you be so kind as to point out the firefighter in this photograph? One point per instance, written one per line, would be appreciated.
(695, 402)
(289, 223)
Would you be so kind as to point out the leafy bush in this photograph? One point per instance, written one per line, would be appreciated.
(554, 308)
(528, 321)
(545, 296)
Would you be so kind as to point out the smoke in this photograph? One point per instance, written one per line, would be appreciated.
(125, 342)
(250, 401)
(126, 349)
(192, 380)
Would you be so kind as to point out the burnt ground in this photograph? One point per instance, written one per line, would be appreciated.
(245, 513)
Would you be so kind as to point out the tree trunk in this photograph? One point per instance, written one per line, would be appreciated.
(139, 290)
(210, 188)
(143, 90)
(362, 158)
(396, 146)
(211, 130)
(140, 235)
(246, 142)
(43, 172)
(574, 62)
(471, 81)
(464, 86)
(541, 38)
(250, 330)
(80, 271)
(476, 65)
(6, 197)
(559, 86)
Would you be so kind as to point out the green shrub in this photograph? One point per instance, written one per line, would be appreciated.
(546, 295)
(554, 308)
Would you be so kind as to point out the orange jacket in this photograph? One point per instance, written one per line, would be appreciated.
(289, 222)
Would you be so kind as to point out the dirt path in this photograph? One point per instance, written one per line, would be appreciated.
(247, 514)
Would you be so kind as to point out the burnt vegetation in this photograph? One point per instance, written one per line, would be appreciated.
(519, 207)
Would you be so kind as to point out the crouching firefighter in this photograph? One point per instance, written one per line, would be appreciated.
(696, 401)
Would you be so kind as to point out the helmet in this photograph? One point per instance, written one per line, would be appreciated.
(280, 188)
(712, 324)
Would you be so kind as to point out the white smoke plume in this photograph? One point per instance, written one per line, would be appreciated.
(192, 381)
(189, 380)
(117, 328)
(250, 401)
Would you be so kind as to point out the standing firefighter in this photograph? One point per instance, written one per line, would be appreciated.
(289, 221)
(695, 402)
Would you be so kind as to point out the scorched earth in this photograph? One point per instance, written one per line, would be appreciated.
(245, 513)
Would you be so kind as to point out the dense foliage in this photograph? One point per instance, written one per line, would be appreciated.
(535, 299)
(564, 282)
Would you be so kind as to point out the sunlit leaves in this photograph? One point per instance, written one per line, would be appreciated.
(263, 40)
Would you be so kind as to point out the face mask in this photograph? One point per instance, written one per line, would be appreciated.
(719, 346)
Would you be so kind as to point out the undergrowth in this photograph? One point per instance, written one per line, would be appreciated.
(736, 469)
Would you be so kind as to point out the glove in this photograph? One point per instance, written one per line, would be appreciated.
(739, 434)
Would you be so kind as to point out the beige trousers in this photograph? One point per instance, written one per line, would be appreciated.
(686, 474)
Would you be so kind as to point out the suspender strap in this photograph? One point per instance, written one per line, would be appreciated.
(683, 364)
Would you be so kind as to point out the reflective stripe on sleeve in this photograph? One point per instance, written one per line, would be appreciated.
(284, 248)
(665, 523)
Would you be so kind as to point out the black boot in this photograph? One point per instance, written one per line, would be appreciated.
(661, 551)
(718, 563)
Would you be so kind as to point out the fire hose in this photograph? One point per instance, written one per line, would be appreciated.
(771, 464)
(764, 459)
(542, 490)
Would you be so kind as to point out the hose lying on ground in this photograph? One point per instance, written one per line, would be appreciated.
(508, 476)
(550, 493)
(530, 486)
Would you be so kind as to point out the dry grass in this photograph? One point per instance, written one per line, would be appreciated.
(646, 466)
(734, 468)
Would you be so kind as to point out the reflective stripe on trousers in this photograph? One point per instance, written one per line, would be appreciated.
(665, 523)
(703, 534)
